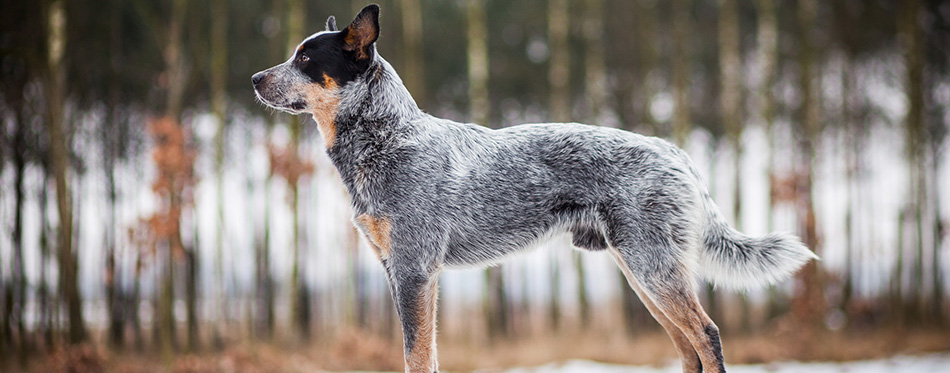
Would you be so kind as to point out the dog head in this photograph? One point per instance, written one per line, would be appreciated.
(310, 81)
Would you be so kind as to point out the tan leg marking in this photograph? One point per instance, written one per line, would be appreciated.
(324, 99)
(423, 357)
(684, 348)
(686, 312)
(377, 230)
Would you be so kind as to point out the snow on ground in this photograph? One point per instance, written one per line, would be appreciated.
(934, 363)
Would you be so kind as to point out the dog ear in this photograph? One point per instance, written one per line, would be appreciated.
(360, 35)
(331, 24)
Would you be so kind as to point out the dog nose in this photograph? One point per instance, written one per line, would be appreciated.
(256, 78)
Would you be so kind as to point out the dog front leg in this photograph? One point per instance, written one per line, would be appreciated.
(415, 293)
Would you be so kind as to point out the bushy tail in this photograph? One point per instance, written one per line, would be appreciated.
(732, 259)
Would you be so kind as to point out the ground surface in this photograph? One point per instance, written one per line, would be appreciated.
(894, 350)
(931, 363)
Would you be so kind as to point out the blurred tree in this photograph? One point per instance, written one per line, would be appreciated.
(16, 298)
(853, 139)
(414, 62)
(768, 58)
(730, 109)
(265, 283)
(56, 84)
(912, 45)
(45, 326)
(730, 99)
(559, 77)
(647, 23)
(681, 57)
(218, 88)
(809, 304)
(559, 110)
(477, 63)
(111, 143)
(174, 164)
(937, 35)
(595, 81)
(299, 296)
(496, 298)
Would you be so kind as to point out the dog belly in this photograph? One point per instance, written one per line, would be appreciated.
(494, 247)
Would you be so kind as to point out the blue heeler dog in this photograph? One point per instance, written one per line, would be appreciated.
(430, 193)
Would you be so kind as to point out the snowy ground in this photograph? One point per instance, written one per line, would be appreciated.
(935, 363)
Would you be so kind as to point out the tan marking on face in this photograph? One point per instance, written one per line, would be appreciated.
(424, 354)
(377, 230)
(324, 99)
(300, 48)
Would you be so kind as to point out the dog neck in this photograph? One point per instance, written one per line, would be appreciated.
(378, 94)
(375, 122)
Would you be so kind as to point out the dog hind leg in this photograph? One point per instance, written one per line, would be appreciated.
(666, 282)
(688, 356)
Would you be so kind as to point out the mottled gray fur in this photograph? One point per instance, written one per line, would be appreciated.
(460, 195)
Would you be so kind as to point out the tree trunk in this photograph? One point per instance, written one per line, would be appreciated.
(112, 280)
(413, 56)
(132, 306)
(647, 56)
(68, 271)
(914, 123)
(46, 303)
(767, 40)
(596, 92)
(265, 284)
(937, 308)
(299, 297)
(809, 303)
(111, 151)
(596, 70)
(559, 106)
(730, 100)
(218, 82)
(18, 278)
(682, 56)
(177, 73)
(496, 304)
(559, 70)
(479, 109)
(191, 296)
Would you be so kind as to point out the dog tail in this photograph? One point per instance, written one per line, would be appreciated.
(734, 260)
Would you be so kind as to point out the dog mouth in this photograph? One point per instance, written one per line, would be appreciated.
(295, 107)
(298, 105)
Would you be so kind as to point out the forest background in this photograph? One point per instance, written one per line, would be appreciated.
(153, 215)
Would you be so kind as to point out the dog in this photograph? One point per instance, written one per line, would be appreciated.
(430, 193)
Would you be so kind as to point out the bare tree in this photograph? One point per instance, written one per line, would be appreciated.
(219, 74)
(68, 268)
(916, 157)
(299, 297)
(477, 62)
(559, 106)
(413, 57)
(730, 102)
(809, 302)
(682, 18)
(559, 77)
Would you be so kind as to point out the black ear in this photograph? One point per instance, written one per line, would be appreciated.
(363, 32)
(331, 24)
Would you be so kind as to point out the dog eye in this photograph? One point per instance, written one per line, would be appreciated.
(302, 58)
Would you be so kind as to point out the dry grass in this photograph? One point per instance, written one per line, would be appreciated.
(353, 350)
